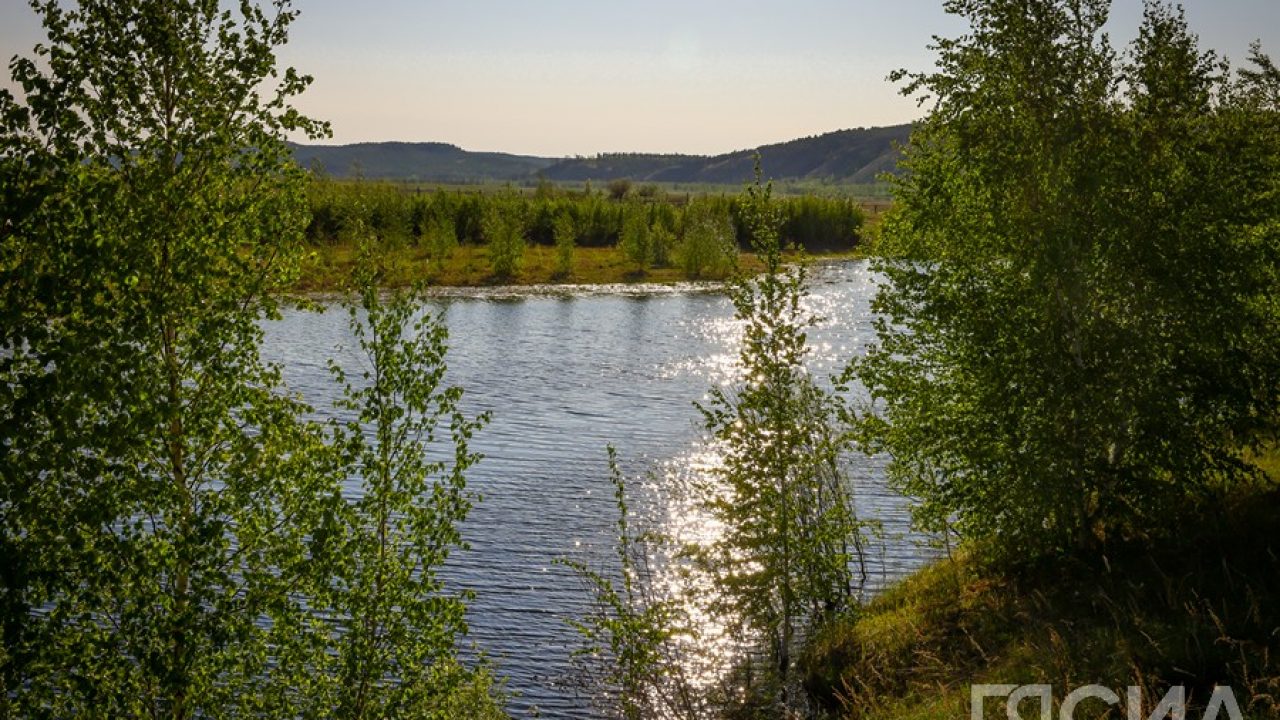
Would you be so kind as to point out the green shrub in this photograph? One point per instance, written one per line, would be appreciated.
(503, 230)
(707, 248)
(566, 234)
(636, 241)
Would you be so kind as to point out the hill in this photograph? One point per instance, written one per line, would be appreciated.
(428, 162)
(851, 156)
(854, 156)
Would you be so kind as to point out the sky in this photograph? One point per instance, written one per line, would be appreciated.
(578, 77)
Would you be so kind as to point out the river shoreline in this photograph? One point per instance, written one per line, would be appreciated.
(326, 272)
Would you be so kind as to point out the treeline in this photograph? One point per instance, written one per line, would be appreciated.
(858, 156)
(396, 213)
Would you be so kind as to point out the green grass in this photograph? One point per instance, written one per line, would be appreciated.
(328, 268)
(1200, 609)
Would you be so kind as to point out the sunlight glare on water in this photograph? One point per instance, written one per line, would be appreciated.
(719, 367)
(566, 373)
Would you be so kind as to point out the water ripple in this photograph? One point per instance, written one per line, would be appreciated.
(566, 371)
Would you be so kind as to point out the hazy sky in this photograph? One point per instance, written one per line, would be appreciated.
(565, 77)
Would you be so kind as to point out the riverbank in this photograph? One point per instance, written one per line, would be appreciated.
(328, 268)
(1200, 609)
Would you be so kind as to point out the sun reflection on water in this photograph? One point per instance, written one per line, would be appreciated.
(709, 654)
(718, 367)
(711, 643)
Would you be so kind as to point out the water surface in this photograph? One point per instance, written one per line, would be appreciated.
(565, 373)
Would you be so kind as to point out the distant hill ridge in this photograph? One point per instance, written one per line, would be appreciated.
(426, 161)
(853, 156)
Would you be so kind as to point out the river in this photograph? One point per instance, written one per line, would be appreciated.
(565, 373)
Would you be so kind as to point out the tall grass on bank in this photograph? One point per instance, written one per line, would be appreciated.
(1200, 609)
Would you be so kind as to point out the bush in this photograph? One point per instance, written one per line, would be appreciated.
(818, 223)
(636, 241)
(619, 188)
(566, 233)
(439, 240)
(707, 248)
(503, 230)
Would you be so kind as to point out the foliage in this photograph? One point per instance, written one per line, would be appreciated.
(381, 552)
(156, 488)
(400, 214)
(600, 221)
(661, 240)
(619, 188)
(636, 241)
(821, 223)
(504, 234)
(173, 541)
(790, 541)
(1198, 611)
(1080, 329)
(707, 247)
(649, 192)
(566, 234)
(440, 240)
(627, 660)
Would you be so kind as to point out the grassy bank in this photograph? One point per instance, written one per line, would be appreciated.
(1200, 609)
(468, 237)
(328, 267)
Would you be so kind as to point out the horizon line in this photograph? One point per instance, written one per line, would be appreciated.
(323, 144)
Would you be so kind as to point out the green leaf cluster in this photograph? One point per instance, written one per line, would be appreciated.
(1079, 327)
(504, 234)
(787, 556)
(636, 239)
(173, 541)
(707, 247)
(376, 558)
